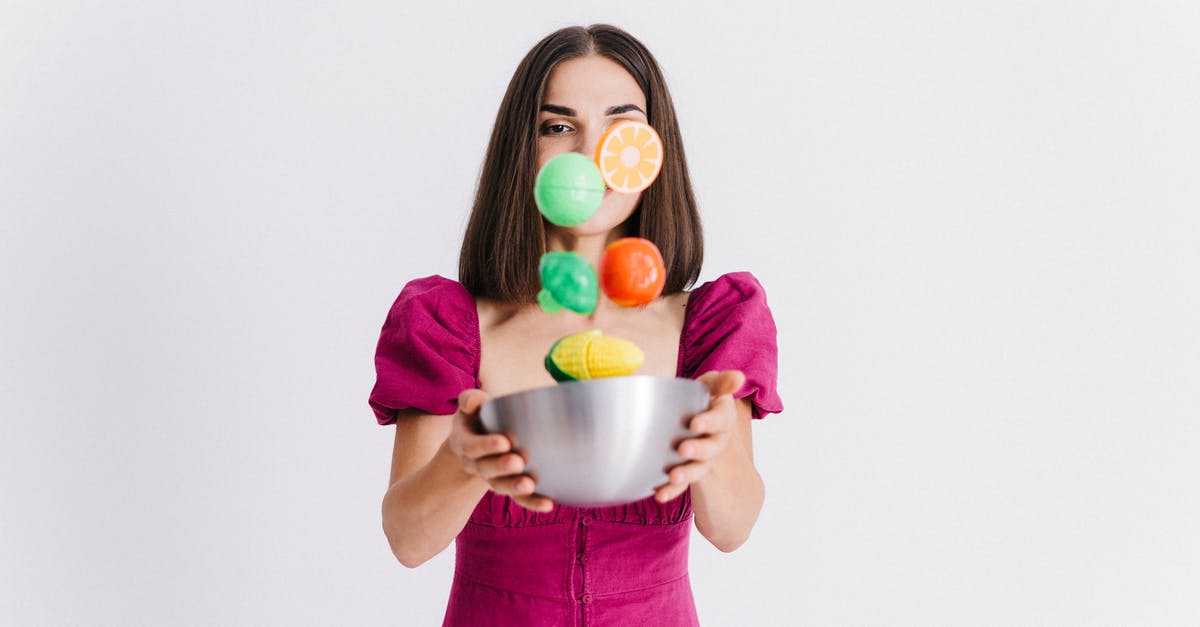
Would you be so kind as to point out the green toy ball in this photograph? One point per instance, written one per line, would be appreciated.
(568, 189)
(568, 282)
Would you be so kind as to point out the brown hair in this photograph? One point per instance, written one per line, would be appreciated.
(506, 236)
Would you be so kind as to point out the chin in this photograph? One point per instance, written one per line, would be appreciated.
(606, 219)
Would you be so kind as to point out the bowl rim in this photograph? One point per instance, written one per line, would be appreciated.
(565, 387)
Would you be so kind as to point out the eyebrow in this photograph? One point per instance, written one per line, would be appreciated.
(614, 110)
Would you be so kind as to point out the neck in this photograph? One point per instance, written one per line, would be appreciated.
(590, 247)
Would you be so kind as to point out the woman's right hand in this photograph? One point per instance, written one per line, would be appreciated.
(490, 456)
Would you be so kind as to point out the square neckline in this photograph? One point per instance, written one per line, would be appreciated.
(477, 344)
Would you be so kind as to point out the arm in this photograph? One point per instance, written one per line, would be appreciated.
(441, 467)
(430, 497)
(728, 498)
(727, 491)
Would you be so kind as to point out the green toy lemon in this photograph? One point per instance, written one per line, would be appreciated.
(568, 189)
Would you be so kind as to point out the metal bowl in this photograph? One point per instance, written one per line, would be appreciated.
(598, 442)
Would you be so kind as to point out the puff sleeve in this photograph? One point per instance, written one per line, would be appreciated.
(428, 350)
(729, 326)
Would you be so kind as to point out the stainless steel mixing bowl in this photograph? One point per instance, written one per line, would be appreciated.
(598, 442)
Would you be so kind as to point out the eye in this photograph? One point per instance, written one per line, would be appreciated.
(555, 129)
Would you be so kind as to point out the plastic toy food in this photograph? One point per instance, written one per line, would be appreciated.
(632, 272)
(568, 189)
(568, 282)
(629, 156)
(591, 355)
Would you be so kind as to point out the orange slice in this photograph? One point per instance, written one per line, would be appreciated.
(629, 156)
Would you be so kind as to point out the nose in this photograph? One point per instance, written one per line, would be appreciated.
(590, 139)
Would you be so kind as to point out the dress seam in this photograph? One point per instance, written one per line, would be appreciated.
(509, 591)
(568, 599)
(533, 526)
(684, 334)
(475, 333)
(681, 521)
(686, 519)
(642, 589)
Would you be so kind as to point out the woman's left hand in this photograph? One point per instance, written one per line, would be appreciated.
(713, 428)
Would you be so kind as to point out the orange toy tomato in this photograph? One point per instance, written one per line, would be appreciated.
(632, 271)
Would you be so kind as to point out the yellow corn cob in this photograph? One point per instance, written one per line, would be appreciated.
(613, 357)
(570, 354)
(590, 355)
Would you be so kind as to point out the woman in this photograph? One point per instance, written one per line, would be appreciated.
(446, 346)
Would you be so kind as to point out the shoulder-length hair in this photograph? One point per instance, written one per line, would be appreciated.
(506, 235)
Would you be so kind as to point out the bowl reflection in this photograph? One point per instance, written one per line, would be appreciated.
(598, 442)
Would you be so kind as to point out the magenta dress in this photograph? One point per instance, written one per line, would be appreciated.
(622, 565)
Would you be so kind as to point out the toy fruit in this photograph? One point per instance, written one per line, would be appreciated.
(632, 271)
(568, 281)
(591, 355)
(568, 189)
(629, 156)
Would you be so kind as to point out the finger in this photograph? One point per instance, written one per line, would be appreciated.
(536, 503)
(668, 492)
(718, 418)
(678, 480)
(685, 474)
(520, 488)
(513, 485)
(703, 449)
(470, 440)
(500, 466)
(481, 446)
(466, 416)
(470, 400)
(722, 382)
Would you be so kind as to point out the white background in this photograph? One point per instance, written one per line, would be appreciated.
(976, 223)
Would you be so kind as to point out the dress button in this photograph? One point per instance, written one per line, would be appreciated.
(586, 520)
(586, 599)
(583, 558)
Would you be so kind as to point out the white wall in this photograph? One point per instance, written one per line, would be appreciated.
(976, 223)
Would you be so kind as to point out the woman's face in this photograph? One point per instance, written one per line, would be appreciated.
(584, 96)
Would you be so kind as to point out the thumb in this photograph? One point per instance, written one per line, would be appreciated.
(470, 400)
(723, 381)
